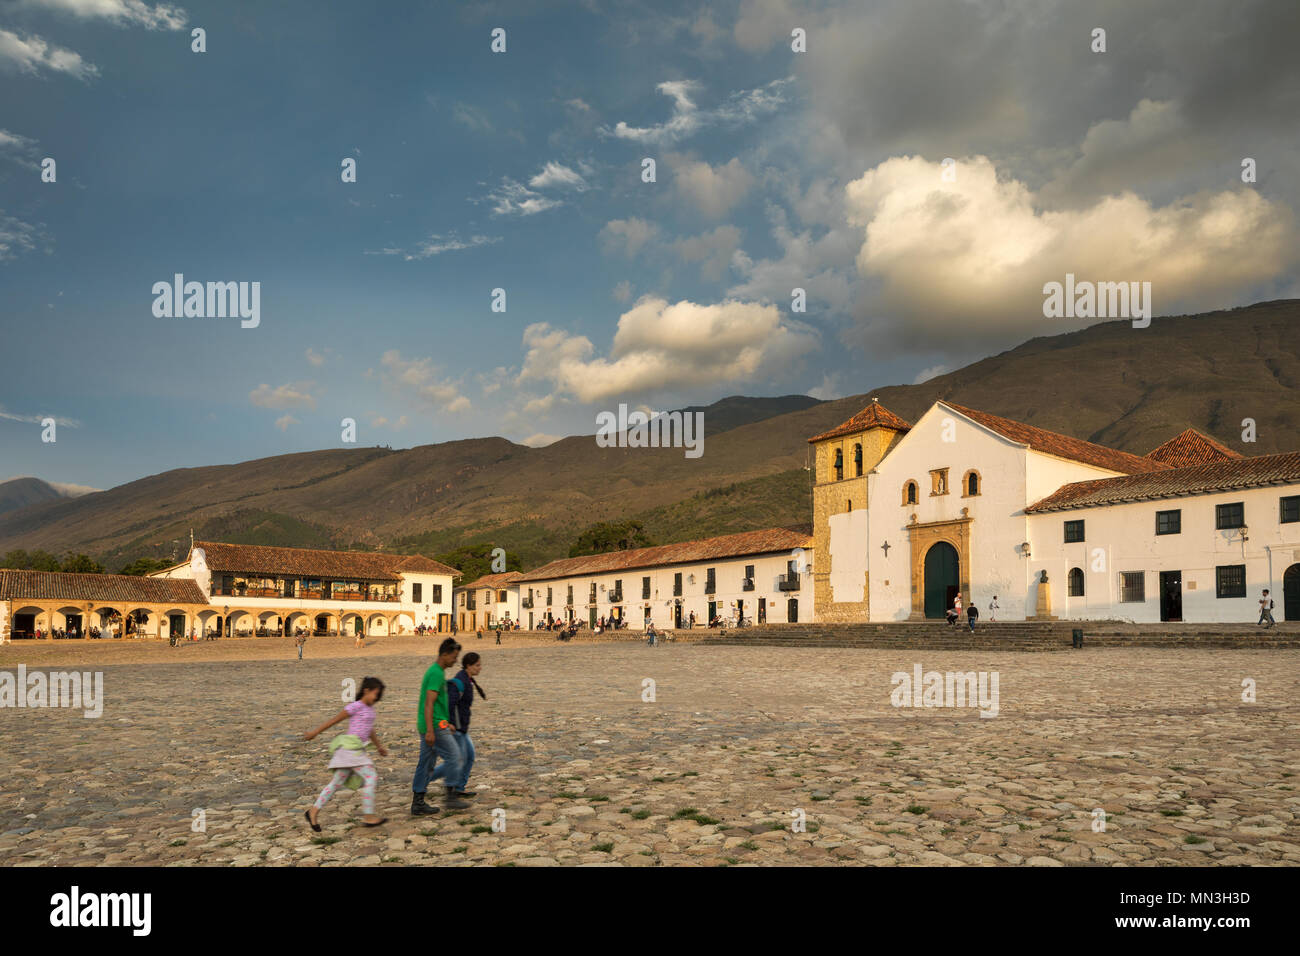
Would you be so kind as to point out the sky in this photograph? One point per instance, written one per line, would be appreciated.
(524, 170)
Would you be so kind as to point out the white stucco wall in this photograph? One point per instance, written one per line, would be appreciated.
(1125, 537)
(850, 554)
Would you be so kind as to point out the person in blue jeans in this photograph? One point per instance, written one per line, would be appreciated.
(437, 736)
(460, 698)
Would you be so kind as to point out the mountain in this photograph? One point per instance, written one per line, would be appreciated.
(20, 492)
(1124, 387)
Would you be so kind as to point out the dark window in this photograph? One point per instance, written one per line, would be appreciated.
(1291, 509)
(677, 584)
(1169, 522)
(1230, 581)
(1073, 531)
(645, 588)
(710, 582)
(972, 485)
(1076, 582)
(839, 463)
(437, 594)
(1132, 586)
(857, 459)
(1230, 516)
(417, 592)
(570, 600)
(909, 493)
(548, 596)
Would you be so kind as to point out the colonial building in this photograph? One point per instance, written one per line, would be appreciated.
(253, 589)
(117, 604)
(907, 516)
(490, 601)
(757, 576)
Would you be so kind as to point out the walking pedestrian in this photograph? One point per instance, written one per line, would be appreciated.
(300, 640)
(437, 737)
(993, 608)
(460, 698)
(1266, 610)
(972, 613)
(352, 765)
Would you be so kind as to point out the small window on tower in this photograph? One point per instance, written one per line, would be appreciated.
(857, 460)
(839, 464)
(909, 493)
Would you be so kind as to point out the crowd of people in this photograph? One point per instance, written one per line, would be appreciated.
(442, 721)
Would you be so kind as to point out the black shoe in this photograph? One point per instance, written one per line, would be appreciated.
(421, 809)
(453, 802)
(466, 794)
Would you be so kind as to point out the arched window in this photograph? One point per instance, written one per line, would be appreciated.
(839, 464)
(971, 484)
(1076, 582)
(857, 460)
(909, 493)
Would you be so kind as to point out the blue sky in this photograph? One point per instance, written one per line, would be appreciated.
(522, 170)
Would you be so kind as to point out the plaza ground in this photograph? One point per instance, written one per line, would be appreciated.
(588, 772)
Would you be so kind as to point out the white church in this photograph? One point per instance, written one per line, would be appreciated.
(908, 516)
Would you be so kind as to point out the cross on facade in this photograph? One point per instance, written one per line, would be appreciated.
(885, 547)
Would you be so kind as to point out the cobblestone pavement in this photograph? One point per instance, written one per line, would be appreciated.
(587, 772)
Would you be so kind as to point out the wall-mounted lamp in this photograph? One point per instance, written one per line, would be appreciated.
(1024, 549)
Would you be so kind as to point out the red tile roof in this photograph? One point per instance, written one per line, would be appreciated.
(306, 562)
(1191, 447)
(874, 415)
(1061, 446)
(494, 581)
(1227, 475)
(707, 549)
(97, 588)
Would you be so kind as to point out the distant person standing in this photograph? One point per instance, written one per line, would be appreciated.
(1265, 610)
(300, 640)
(972, 613)
(993, 608)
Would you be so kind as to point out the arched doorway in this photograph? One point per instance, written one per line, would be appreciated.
(1291, 593)
(792, 611)
(942, 578)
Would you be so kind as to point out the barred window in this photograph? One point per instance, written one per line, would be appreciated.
(416, 591)
(437, 594)
(1169, 522)
(1132, 587)
(1074, 531)
(1076, 582)
(1290, 507)
(1230, 581)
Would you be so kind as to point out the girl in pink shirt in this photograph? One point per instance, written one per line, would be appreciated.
(360, 715)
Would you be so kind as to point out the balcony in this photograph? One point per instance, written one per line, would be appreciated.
(788, 582)
(748, 585)
(710, 587)
(470, 603)
(616, 597)
(527, 604)
(677, 589)
(645, 594)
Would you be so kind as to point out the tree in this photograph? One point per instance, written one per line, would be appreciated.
(80, 564)
(473, 561)
(144, 566)
(611, 536)
(30, 561)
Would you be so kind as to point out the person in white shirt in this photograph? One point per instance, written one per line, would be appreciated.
(993, 608)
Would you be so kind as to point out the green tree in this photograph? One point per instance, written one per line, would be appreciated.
(611, 536)
(143, 566)
(30, 561)
(475, 560)
(80, 564)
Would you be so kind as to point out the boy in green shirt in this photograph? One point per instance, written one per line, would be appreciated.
(437, 736)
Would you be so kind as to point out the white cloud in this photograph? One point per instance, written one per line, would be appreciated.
(968, 259)
(293, 395)
(38, 419)
(623, 292)
(661, 346)
(711, 189)
(934, 371)
(119, 12)
(284, 421)
(418, 377)
(17, 237)
(687, 118)
(513, 198)
(540, 440)
(829, 389)
(315, 358)
(436, 245)
(20, 149)
(555, 175)
(492, 381)
(31, 54)
(712, 250)
(471, 117)
(626, 236)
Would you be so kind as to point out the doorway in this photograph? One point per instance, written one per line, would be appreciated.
(1291, 593)
(176, 626)
(762, 610)
(1171, 595)
(792, 611)
(942, 579)
(677, 614)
